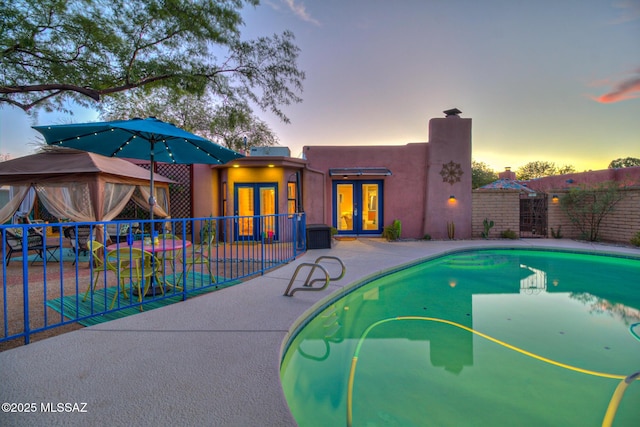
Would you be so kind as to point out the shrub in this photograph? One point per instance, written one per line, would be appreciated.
(587, 206)
(509, 234)
(426, 237)
(635, 240)
(393, 231)
(556, 234)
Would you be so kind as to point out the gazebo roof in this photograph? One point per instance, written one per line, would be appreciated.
(66, 163)
(507, 184)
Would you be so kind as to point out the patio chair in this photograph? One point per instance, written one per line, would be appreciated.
(198, 255)
(81, 237)
(35, 242)
(117, 232)
(99, 266)
(170, 257)
(138, 266)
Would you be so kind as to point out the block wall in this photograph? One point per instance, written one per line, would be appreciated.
(618, 226)
(500, 206)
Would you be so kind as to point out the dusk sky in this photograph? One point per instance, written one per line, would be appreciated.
(553, 80)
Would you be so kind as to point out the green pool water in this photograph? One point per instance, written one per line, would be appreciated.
(482, 338)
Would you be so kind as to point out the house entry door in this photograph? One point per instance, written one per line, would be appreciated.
(252, 201)
(357, 207)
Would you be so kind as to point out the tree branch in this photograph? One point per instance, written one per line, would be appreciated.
(91, 93)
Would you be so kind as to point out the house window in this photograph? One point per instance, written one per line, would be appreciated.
(291, 198)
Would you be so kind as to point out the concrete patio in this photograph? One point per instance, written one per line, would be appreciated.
(212, 360)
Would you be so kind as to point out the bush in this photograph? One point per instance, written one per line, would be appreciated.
(393, 231)
(557, 234)
(426, 237)
(587, 206)
(635, 240)
(509, 234)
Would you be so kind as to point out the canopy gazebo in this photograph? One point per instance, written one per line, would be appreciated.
(80, 186)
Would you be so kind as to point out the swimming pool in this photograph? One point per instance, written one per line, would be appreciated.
(487, 337)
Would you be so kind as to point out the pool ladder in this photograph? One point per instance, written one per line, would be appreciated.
(308, 284)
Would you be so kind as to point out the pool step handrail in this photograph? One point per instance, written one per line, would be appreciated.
(308, 284)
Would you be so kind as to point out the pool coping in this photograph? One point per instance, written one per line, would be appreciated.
(211, 360)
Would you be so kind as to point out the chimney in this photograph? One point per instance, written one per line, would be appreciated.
(507, 174)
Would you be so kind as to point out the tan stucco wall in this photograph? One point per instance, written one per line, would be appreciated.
(500, 206)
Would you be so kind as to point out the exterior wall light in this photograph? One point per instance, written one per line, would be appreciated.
(452, 198)
(554, 198)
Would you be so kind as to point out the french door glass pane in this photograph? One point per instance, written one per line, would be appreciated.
(345, 207)
(268, 207)
(369, 205)
(246, 210)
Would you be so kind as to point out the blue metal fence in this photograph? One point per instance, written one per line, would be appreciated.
(62, 273)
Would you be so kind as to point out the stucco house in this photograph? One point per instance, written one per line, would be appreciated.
(356, 189)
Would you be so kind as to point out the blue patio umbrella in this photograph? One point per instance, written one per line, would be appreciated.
(147, 139)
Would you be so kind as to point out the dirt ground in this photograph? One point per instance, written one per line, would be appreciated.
(64, 279)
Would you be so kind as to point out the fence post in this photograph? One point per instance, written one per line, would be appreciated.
(25, 286)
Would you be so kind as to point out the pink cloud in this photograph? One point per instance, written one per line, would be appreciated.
(626, 89)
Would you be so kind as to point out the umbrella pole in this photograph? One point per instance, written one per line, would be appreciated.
(152, 199)
(154, 289)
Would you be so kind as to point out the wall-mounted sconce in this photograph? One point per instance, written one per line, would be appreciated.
(452, 198)
(554, 198)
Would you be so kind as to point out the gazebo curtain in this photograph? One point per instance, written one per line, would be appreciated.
(19, 193)
(73, 200)
(161, 208)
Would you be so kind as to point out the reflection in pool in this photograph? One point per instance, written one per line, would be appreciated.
(492, 337)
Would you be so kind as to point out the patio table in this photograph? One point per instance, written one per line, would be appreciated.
(161, 246)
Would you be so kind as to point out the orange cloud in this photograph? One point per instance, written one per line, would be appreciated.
(627, 89)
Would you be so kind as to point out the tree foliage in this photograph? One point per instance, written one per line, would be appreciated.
(55, 51)
(586, 206)
(481, 174)
(626, 162)
(226, 124)
(538, 169)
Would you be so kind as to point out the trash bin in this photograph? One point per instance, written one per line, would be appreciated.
(318, 236)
